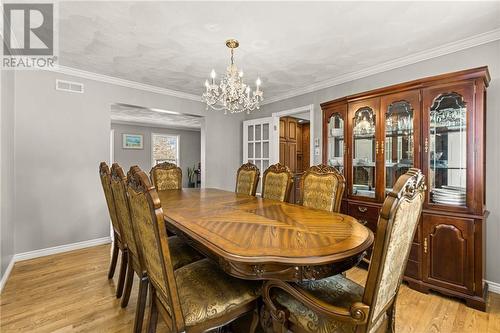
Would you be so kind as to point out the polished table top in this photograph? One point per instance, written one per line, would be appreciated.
(258, 238)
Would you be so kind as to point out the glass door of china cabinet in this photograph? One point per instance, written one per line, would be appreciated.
(449, 145)
(364, 146)
(334, 136)
(400, 122)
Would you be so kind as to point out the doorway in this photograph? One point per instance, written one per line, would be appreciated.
(295, 144)
(262, 140)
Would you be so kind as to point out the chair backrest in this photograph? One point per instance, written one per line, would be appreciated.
(247, 179)
(322, 187)
(119, 188)
(105, 176)
(396, 228)
(277, 182)
(166, 176)
(149, 225)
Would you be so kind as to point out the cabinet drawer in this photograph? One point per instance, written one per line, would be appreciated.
(367, 215)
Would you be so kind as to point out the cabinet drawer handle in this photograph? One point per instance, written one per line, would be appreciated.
(363, 222)
(362, 209)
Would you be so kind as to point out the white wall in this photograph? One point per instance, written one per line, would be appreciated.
(60, 140)
(487, 54)
(7, 118)
(189, 148)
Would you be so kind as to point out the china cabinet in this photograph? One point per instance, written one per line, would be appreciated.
(436, 124)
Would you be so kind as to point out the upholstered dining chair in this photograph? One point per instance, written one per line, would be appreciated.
(322, 187)
(337, 304)
(196, 297)
(247, 179)
(166, 176)
(118, 245)
(277, 182)
(182, 254)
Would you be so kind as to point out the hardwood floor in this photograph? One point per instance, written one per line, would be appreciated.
(69, 292)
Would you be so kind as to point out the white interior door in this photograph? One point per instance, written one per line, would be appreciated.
(258, 149)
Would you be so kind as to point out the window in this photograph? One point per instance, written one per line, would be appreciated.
(165, 148)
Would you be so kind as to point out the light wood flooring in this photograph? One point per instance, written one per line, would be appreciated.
(70, 292)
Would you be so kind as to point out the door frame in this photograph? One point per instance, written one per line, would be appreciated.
(276, 122)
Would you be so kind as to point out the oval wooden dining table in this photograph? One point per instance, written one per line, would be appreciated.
(260, 239)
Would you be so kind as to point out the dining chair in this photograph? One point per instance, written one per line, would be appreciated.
(277, 182)
(182, 254)
(337, 304)
(118, 245)
(196, 297)
(322, 187)
(247, 179)
(166, 176)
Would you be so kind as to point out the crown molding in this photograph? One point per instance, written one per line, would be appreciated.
(445, 49)
(60, 69)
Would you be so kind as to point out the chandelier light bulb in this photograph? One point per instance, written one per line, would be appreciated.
(258, 82)
(241, 74)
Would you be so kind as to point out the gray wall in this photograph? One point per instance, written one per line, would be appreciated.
(189, 144)
(487, 54)
(7, 168)
(61, 138)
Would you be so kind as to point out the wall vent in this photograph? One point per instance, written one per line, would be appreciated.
(69, 86)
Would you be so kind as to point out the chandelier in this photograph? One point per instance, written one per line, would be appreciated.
(231, 94)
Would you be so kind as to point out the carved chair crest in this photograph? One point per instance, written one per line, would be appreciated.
(324, 170)
(278, 169)
(252, 187)
(174, 181)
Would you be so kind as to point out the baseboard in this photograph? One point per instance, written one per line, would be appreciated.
(60, 249)
(493, 286)
(6, 274)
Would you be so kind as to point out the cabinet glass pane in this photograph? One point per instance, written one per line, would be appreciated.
(335, 153)
(250, 133)
(447, 150)
(265, 149)
(257, 132)
(363, 161)
(265, 132)
(398, 144)
(250, 150)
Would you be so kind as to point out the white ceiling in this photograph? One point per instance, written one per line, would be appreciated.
(290, 45)
(121, 113)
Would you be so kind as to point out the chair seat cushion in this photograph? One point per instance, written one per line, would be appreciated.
(181, 253)
(336, 290)
(206, 292)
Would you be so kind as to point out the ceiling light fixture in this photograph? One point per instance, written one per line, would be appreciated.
(231, 94)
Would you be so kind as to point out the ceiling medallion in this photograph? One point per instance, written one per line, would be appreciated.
(231, 94)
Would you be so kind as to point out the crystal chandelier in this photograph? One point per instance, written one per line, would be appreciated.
(232, 94)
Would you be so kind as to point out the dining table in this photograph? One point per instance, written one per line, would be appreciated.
(261, 239)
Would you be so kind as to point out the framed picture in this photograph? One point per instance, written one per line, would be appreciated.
(132, 141)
